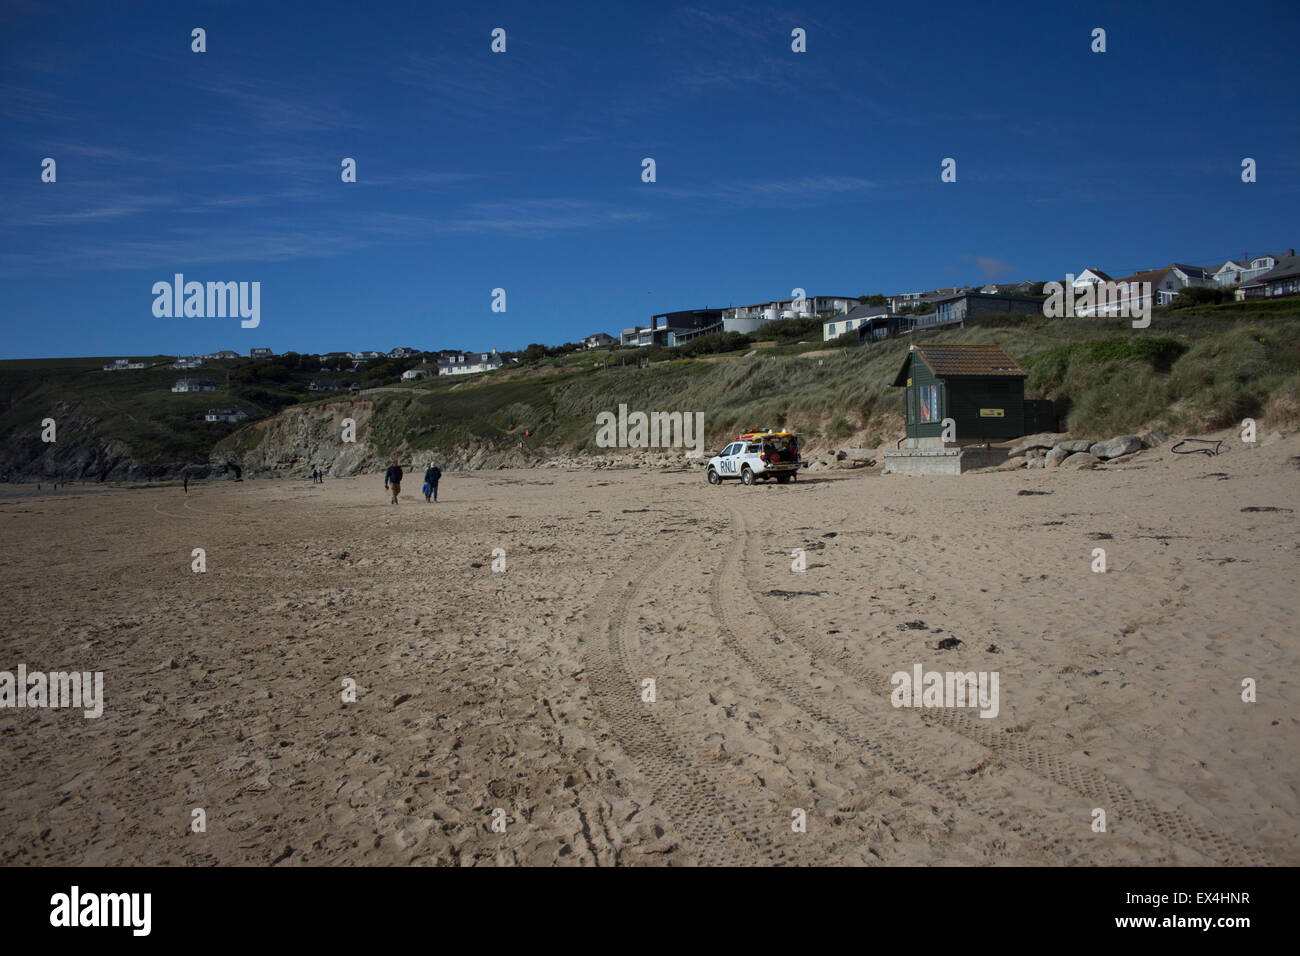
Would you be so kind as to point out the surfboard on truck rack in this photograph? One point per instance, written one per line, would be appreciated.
(757, 456)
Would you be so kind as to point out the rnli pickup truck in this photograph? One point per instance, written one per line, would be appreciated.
(757, 456)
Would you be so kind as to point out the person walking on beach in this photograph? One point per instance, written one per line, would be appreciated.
(186, 484)
(431, 476)
(393, 479)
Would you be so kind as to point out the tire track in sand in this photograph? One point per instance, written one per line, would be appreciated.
(712, 831)
(962, 790)
(1096, 787)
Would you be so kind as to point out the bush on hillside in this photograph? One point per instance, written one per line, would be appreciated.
(1194, 296)
(787, 330)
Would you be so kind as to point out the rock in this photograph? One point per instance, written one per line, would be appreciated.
(1081, 459)
(1056, 456)
(1076, 444)
(1153, 438)
(1043, 441)
(859, 456)
(1036, 463)
(1114, 447)
(1119, 460)
(1035, 453)
(1011, 464)
(1270, 439)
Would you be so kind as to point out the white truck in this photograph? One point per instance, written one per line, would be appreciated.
(757, 456)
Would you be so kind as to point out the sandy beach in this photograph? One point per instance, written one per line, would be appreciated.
(523, 690)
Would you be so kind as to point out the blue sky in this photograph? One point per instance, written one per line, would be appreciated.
(522, 170)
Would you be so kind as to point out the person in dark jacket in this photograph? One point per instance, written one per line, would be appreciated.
(393, 480)
(431, 476)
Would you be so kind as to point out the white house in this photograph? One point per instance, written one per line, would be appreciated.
(748, 318)
(230, 415)
(468, 363)
(195, 385)
(120, 364)
(834, 328)
(598, 340)
(1257, 267)
(223, 354)
(187, 361)
(411, 374)
(1089, 277)
(1231, 272)
(401, 352)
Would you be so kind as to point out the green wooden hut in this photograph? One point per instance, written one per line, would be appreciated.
(980, 387)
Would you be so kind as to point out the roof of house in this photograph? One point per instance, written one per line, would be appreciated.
(1287, 266)
(472, 358)
(861, 312)
(1150, 275)
(953, 361)
(1195, 272)
(1099, 273)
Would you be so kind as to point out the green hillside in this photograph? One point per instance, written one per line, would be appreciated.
(1189, 372)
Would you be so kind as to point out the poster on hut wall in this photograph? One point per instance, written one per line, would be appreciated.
(929, 403)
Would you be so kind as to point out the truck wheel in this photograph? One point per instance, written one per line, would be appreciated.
(783, 479)
(747, 476)
(714, 477)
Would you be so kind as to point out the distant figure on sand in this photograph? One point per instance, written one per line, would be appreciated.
(187, 484)
(431, 476)
(393, 480)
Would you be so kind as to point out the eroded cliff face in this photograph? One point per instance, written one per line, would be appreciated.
(301, 439)
(80, 452)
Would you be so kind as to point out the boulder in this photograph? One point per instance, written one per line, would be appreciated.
(862, 455)
(1153, 438)
(1036, 463)
(1043, 441)
(1081, 459)
(1056, 456)
(1034, 453)
(1121, 459)
(1076, 444)
(1114, 447)
(1270, 439)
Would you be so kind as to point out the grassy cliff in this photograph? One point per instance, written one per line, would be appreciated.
(1189, 372)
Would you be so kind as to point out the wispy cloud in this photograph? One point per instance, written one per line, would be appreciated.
(282, 109)
(804, 189)
(25, 104)
(540, 217)
(990, 267)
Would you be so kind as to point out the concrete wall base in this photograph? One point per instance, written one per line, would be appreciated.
(944, 461)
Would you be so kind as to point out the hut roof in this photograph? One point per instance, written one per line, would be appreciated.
(955, 361)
